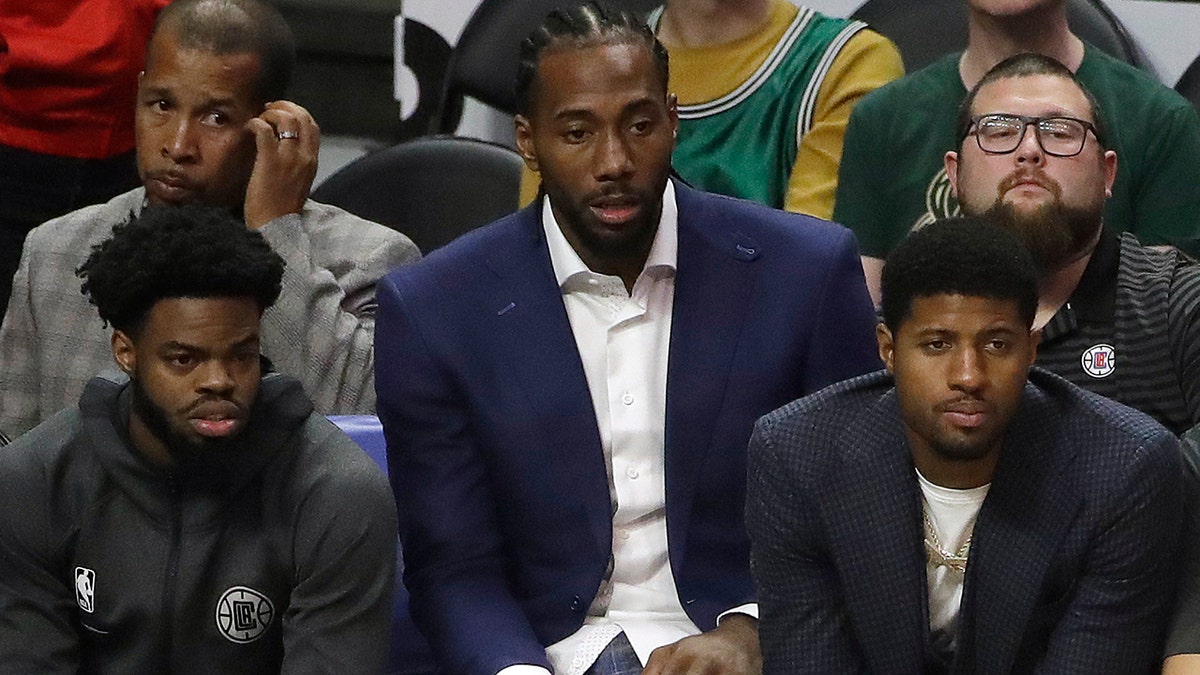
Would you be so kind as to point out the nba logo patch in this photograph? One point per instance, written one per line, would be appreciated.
(85, 589)
(1099, 361)
(243, 614)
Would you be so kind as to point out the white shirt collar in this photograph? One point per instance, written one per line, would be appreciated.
(664, 252)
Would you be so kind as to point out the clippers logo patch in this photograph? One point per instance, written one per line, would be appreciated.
(244, 614)
(85, 589)
(1099, 361)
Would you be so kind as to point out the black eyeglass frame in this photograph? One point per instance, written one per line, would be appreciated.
(1026, 121)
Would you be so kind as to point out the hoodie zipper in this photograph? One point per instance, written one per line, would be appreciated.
(169, 581)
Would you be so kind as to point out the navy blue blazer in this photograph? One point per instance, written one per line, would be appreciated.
(1072, 560)
(493, 447)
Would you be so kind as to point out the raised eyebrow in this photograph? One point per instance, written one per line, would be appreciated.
(156, 92)
(176, 346)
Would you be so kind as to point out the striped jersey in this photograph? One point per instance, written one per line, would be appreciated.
(1131, 331)
(744, 143)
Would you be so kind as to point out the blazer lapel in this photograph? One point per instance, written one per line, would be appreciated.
(872, 506)
(713, 287)
(1025, 516)
(533, 332)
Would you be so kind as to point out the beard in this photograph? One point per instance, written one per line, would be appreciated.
(200, 460)
(1053, 233)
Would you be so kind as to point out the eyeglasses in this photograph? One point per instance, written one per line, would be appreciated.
(1000, 134)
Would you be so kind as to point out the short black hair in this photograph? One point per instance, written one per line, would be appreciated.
(1025, 65)
(591, 23)
(970, 256)
(225, 27)
(184, 251)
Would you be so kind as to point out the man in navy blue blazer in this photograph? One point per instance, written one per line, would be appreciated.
(567, 393)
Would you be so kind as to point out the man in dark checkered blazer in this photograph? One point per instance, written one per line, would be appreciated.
(961, 513)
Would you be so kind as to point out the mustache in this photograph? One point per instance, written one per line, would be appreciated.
(170, 177)
(1036, 176)
(965, 404)
(213, 402)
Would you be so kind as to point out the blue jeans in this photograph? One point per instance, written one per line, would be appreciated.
(618, 658)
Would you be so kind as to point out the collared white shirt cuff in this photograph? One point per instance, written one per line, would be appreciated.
(523, 669)
(750, 609)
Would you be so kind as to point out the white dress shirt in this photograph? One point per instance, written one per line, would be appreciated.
(623, 341)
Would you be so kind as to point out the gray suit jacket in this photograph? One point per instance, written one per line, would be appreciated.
(1072, 561)
(320, 331)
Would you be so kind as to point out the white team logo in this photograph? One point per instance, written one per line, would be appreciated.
(243, 614)
(1099, 361)
(85, 589)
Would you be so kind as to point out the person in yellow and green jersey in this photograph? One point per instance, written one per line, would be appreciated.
(765, 91)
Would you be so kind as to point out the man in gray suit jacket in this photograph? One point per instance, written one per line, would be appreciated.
(211, 128)
(960, 513)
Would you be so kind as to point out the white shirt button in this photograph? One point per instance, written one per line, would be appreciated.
(623, 535)
(632, 473)
(627, 398)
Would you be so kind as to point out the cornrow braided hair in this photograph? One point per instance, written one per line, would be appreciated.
(591, 23)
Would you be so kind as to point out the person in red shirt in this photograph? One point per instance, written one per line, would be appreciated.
(68, 81)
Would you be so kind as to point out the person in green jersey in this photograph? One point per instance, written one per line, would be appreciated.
(891, 179)
(765, 91)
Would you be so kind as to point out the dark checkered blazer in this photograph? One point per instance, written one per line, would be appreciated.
(1072, 564)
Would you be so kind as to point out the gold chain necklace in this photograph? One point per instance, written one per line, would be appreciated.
(940, 557)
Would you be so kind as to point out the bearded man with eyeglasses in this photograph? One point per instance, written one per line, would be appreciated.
(1118, 318)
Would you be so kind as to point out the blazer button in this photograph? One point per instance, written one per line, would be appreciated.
(577, 605)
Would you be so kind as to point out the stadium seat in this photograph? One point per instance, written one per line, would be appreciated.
(409, 651)
(483, 64)
(432, 189)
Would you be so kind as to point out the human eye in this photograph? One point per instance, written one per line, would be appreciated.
(641, 127)
(157, 104)
(997, 345)
(215, 118)
(998, 127)
(181, 360)
(247, 355)
(1061, 128)
(936, 345)
(575, 134)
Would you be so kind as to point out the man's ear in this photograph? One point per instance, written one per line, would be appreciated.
(1110, 171)
(887, 352)
(123, 352)
(950, 163)
(524, 133)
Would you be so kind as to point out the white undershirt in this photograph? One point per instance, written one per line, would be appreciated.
(952, 513)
